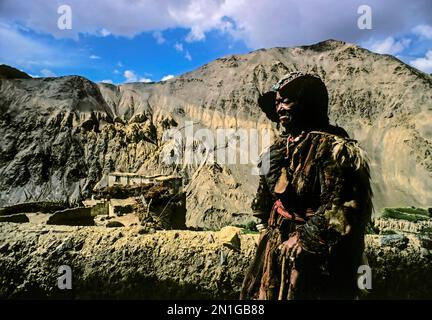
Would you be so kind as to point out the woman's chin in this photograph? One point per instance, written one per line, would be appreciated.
(284, 121)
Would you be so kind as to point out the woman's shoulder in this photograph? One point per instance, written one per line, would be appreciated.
(340, 148)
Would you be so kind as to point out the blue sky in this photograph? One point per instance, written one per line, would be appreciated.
(142, 40)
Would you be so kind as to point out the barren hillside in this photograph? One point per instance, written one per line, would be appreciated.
(58, 136)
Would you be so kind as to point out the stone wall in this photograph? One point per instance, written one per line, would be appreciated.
(124, 263)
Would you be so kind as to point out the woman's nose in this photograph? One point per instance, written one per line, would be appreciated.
(284, 106)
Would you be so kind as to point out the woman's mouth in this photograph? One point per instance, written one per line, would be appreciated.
(283, 113)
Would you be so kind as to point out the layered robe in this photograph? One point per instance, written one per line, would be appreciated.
(315, 187)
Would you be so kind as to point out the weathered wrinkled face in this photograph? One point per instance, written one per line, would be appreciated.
(288, 111)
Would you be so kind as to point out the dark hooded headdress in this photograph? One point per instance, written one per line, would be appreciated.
(307, 89)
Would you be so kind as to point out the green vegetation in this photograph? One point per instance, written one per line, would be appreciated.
(426, 230)
(248, 228)
(387, 232)
(408, 214)
(371, 229)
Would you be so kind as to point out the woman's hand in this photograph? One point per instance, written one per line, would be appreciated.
(291, 248)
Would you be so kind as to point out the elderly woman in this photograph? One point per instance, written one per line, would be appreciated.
(314, 199)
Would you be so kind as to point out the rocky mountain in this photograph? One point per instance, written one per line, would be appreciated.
(59, 136)
(8, 72)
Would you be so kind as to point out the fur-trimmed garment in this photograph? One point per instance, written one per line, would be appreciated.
(316, 187)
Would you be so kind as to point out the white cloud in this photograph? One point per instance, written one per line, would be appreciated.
(167, 77)
(107, 81)
(159, 37)
(94, 57)
(263, 24)
(104, 32)
(188, 56)
(115, 71)
(178, 46)
(388, 45)
(119, 64)
(47, 73)
(196, 34)
(423, 30)
(131, 76)
(144, 80)
(424, 64)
